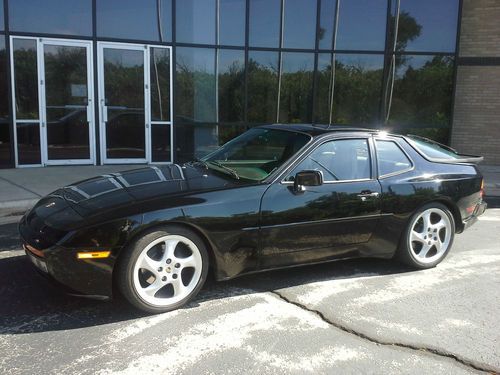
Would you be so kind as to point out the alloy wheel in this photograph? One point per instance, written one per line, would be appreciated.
(167, 270)
(430, 235)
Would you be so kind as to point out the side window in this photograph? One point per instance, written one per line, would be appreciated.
(391, 158)
(339, 160)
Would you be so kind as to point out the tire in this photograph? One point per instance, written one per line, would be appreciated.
(428, 238)
(162, 269)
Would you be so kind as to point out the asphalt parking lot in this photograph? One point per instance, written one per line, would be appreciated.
(356, 316)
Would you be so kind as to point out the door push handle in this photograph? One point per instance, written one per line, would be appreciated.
(104, 113)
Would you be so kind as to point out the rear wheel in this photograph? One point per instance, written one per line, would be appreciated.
(163, 270)
(428, 237)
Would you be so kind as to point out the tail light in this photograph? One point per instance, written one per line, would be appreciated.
(481, 192)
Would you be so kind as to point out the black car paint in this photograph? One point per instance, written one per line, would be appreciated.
(248, 226)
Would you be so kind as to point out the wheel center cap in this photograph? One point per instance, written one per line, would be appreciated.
(168, 269)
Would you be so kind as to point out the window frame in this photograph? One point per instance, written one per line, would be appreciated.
(396, 142)
(318, 143)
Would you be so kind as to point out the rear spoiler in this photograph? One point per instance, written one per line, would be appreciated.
(462, 158)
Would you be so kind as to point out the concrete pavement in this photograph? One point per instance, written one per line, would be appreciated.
(357, 316)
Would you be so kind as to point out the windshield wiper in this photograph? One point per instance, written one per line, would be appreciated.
(220, 165)
(199, 161)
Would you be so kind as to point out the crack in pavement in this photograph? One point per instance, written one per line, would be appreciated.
(429, 350)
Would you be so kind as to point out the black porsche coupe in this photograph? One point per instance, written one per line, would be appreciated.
(275, 196)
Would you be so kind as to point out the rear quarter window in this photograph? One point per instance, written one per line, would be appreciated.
(390, 158)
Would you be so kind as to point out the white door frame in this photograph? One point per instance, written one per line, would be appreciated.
(145, 48)
(42, 110)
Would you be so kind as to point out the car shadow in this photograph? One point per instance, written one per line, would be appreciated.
(493, 202)
(29, 303)
(9, 237)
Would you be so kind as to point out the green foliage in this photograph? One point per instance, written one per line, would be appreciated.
(296, 97)
(195, 92)
(231, 93)
(262, 92)
(423, 95)
(357, 94)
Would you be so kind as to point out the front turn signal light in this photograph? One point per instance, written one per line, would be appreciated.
(93, 254)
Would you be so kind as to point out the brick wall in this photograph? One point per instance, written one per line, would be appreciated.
(476, 117)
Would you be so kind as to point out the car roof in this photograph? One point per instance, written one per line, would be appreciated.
(315, 130)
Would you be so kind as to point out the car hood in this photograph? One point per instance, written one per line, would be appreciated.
(123, 194)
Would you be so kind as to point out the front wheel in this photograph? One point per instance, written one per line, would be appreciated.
(163, 270)
(428, 237)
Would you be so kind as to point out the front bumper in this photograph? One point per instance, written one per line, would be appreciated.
(478, 211)
(90, 278)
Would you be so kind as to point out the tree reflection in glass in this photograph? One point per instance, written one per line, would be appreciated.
(262, 86)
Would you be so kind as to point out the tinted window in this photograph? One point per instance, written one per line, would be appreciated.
(4, 105)
(195, 21)
(323, 94)
(160, 84)
(131, 19)
(296, 87)
(327, 21)
(428, 25)
(262, 86)
(362, 25)
(265, 23)
(390, 158)
(2, 26)
(28, 143)
(195, 84)
(25, 79)
(232, 22)
(231, 85)
(5, 159)
(51, 16)
(160, 143)
(303, 13)
(358, 84)
(345, 159)
(422, 91)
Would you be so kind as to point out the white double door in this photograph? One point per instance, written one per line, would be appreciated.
(52, 101)
(135, 104)
(54, 109)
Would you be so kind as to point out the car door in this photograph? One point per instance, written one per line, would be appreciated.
(334, 219)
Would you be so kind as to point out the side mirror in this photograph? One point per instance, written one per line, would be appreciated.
(307, 178)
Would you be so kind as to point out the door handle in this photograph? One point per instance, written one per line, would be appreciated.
(368, 194)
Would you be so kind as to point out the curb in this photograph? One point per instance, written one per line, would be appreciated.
(9, 207)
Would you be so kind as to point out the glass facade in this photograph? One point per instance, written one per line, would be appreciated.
(51, 16)
(235, 64)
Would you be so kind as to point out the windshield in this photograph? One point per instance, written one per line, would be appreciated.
(255, 154)
(432, 149)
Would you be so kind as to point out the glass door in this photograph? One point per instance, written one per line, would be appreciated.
(135, 103)
(67, 107)
(122, 102)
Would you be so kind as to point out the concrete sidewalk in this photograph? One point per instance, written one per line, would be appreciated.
(21, 188)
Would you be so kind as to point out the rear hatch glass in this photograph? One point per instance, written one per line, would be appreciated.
(435, 151)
